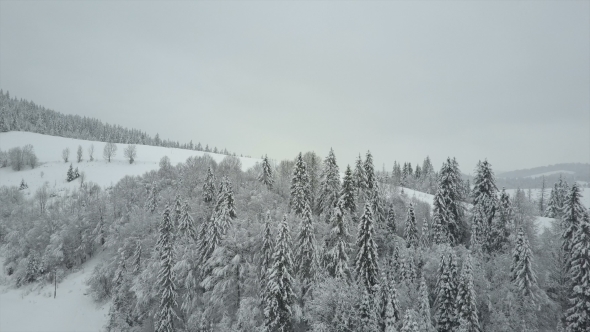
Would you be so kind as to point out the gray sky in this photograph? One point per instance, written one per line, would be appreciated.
(508, 81)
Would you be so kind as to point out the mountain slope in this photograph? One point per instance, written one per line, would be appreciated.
(53, 169)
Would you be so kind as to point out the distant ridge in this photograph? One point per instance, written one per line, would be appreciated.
(533, 177)
(23, 115)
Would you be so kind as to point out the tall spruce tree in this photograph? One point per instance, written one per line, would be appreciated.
(300, 190)
(370, 176)
(359, 176)
(522, 274)
(305, 251)
(424, 307)
(447, 202)
(278, 311)
(266, 175)
(446, 294)
(366, 259)
(484, 202)
(390, 312)
(177, 210)
(329, 186)
(368, 313)
(209, 186)
(425, 235)
(347, 192)
(502, 223)
(410, 323)
(466, 299)
(337, 254)
(578, 314)
(391, 225)
(572, 214)
(186, 225)
(411, 231)
(152, 201)
(166, 276)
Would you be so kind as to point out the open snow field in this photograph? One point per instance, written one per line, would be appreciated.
(53, 169)
(30, 309)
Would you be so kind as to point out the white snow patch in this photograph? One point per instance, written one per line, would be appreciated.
(544, 222)
(421, 196)
(53, 169)
(73, 309)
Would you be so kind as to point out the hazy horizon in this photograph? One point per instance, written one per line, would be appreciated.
(506, 81)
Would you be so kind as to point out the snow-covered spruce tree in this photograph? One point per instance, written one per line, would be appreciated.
(408, 270)
(70, 175)
(522, 274)
(177, 210)
(329, 186)
(152, 201)
(366, 259)
(368, 313)
(466, 299)
(484, 202)
(578, 314)
(337, 253)
(572, 214)
(502, 223)
(410, 324)
(370, 177)
(224, 211)
(278, 310)
(391, 225)
(209, 186)
(446, 293)
(136, 258)
(186, 225)
(300, 191)
(266, 175)
(542, 195)
(166, 276)
(424, 307)
(390, 308)
(411, 231)
(553, 209)
(440, 230)
(447, 201)
(347, 192)
(305, 251)
(360, 179)
(425, 235)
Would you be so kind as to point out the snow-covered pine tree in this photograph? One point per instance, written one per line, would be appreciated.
(152, 202)
(391, 308)
(446, 293)
(366, 259)
(300, 191)
(337, 254)
(266, 175)
(136, 258)
(209, 186)
(166, 276)
(411, 232)
(553, 207)
(305, 251)
(368, 313)
(425, 235)
(502, 223)
(186, 225)
(177, 210)
(267, 249)
(76, 173)
(424, 307)
(370, 177)
(329, 186)
(359, 176)
(542, 195)
(410, 324)
(391, 225)
(70, 175)
(278, 310)
(224, 212)
(347, 192)
(449, 194)
(578, 314)
(572, 214)
(522, 274)
(440, 230)
(466, 299)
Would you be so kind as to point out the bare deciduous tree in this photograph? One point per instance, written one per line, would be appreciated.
(65, 154)
(130, 153)
(110, 150)
(79, 153)
(91, 152)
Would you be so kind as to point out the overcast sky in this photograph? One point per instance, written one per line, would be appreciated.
(508, 81)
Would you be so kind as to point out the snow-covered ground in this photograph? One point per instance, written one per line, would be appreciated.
(53, 169)
(73, 309)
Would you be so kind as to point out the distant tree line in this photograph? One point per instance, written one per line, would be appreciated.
(23, 115)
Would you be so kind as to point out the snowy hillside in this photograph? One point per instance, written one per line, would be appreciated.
(53, 169)
(26, 309)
